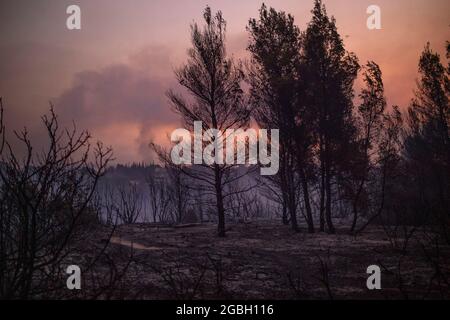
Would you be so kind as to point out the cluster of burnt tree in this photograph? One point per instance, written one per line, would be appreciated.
(151, 193)
(47, 209)
(342, 153)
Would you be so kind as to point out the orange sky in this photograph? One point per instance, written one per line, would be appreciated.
(111, 76)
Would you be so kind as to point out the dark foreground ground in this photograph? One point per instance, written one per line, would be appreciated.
(266, 260)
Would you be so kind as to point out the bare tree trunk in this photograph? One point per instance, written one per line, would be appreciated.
(328, 202)
(219, 200)
(381, 207)
(283, 185)
(322, 188)
(292, 203)
(309, 218)
(284, 218)
(322, 202)
(293, 213)
(355, 206)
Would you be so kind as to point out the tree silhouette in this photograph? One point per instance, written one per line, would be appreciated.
(273, 76)
(45, 205)
(214, 83)
(330, 72)
(427, 144)
(370, 112)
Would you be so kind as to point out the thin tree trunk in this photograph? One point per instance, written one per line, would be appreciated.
(328, 202)
(293, 213)
(322, 190)
(285, 219)
(309, 218)
(381, 208)
(292, 204)
(355, 206)
(285, 196)
(219, 200)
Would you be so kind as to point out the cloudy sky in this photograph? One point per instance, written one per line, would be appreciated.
(111, 76)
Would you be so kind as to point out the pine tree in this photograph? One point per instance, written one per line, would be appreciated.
(214, 83)
(273, 77)
(428, 141)
(330, 72)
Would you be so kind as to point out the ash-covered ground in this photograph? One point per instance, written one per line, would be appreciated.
(266, 260)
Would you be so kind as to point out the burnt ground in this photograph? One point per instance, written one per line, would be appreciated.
(266, 260)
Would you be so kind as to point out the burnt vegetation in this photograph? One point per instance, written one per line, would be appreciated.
(360, 182)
